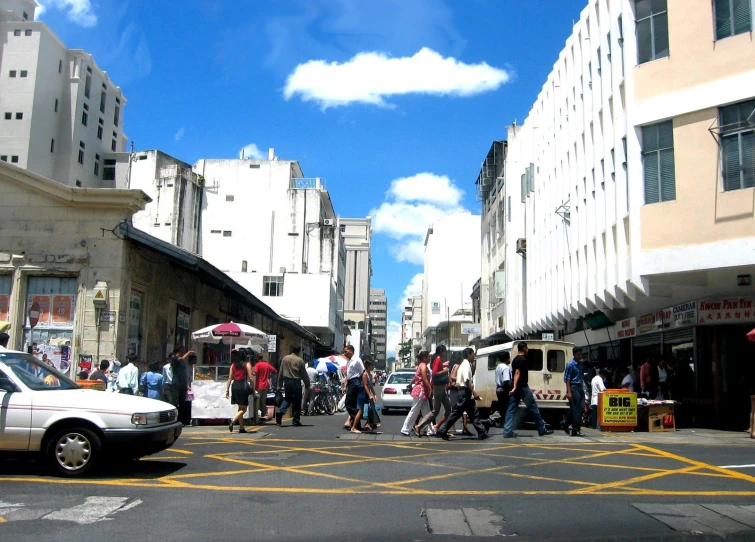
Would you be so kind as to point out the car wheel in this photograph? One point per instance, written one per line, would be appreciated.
(73, 451)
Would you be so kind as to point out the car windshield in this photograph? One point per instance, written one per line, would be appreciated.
(35, 374)
(400, 378)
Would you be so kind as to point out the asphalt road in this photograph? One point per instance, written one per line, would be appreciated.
(319, 482)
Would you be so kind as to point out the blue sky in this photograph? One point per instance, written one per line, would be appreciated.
(393, 102)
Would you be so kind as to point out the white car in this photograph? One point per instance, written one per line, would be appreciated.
(44, 412)
(396, 392)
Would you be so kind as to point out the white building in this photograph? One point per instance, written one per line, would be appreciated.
(174, 214)
(452, 266)
(357, 236)
(629, 194)
(378, 319)
(60, 115)
(276, 233)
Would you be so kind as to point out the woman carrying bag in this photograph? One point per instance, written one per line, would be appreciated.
(241, 385)
(421, 390)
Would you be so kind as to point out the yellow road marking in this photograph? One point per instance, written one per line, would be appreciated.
(3, 520)
(180, 451)
(637, 479)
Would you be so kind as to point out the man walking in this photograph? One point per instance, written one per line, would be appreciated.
(294, 372)
(313, 377)
(503, 384)
(262, 372)
(520, 391)
(100, 374)
(574, 393)
(466, 401)
(128, 378)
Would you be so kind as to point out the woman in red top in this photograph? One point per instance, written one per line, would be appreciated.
(242, 378)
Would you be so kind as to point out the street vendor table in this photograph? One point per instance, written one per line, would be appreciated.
(210, 402)
(656, 416)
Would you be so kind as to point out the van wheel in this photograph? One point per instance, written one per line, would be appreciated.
(73, 451)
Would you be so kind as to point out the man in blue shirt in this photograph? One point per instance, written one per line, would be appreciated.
(574, 394)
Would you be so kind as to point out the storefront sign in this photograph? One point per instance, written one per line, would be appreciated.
(645, 323)
(726, 311)
(272, 343)
(683, 315)
(654, 321)
(471, 329)
(107, 317)
(547, 336)
(626, 328)
(617, 408)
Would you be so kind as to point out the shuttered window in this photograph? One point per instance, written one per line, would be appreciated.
(738, 145)
(652, 30)
(658, 162)
(732, 17)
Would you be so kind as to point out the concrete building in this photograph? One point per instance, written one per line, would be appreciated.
(631, 186)
(61, 115)
(357, 237)
(378, 317)
(411, 331)
(452, 266)
(53, 253)
(276, 233)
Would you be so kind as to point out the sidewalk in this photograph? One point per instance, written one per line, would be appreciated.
(699, 436)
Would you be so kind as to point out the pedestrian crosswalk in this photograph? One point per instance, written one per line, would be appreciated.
(91, 510)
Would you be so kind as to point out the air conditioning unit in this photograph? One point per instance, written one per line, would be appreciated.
(521, 246)
(329, 222)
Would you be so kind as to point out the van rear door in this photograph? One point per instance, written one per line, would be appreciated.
(546, 364)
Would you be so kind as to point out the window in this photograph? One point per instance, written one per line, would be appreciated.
(229, 198)
(56, 105)
(14, 159)
(556, 361)
(108, 172)
(8, 116)
(272, 286)
(243, 266)
(652, 30)
(26, 16)
(84, 118)
(27, 32)
(99, 132)
(52, 145)
(88, 86)
(19, 116)
(534, 360)
(96, 169)
(738, 145)
(113, 145)
(116, 115)
(56, 297)
(227, 233)
(12, 73)
(4, 158)
(24, 73)
(60, 66)
(732, 17)
(214, 231)
(103, 100)
(658, 162)
(17, 32)
(81, 157)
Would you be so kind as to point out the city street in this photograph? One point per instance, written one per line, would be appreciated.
(319, 482)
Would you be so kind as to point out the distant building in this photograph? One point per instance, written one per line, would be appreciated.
(62, 116)
(378, 318)
(357, 238)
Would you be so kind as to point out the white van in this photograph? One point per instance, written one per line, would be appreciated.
(546, 361)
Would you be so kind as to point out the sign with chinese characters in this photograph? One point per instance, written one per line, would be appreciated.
(731, 310)
(272, 343)
(617, 408)
(626, 329)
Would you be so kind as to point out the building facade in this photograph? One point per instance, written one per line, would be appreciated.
(357, 237)
(629, 223)
(62, 116)
(452, 266)
(378, 318)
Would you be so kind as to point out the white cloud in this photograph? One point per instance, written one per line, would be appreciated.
(418, 201)
(253, 152)
(178, 136)
(372, 77)
(393, 338)
(77, 11)
(413, 288)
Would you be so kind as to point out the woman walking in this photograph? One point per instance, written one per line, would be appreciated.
(241, 385)
(421, 390)
(440, 380)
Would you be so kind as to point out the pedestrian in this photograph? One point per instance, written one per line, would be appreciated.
(313, 378)
(439, 370)
(421, 390)
(503, 383)
(151, 382)
(574, 393)
(128, 378)
(453, 393)
(627, 381)
(368, 397)
(293, 373)
(520, 391)
(597, 385)
(353, 388)
(649, 378)
(240, 384)
(101, 373)
(262, 373)
(664, 373)
(4, 338)
(467, 398)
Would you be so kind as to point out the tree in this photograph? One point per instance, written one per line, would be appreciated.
(405, 350)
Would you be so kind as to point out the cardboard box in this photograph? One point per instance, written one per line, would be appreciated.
(661, 418)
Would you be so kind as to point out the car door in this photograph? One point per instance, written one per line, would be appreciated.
(539, 378)
(15, 415)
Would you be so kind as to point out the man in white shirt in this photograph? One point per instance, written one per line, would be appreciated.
(353, 388)
(313, 378)
(627, 382)
(503, 384)
(128, 378)
(598, 385)
(466, 402)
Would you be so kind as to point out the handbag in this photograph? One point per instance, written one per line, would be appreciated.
(190, 395)
(278, 397)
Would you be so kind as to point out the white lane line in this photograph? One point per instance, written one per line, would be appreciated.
(737, 466)
(93, 510)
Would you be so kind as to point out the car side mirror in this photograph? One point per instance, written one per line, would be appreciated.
(8, 386)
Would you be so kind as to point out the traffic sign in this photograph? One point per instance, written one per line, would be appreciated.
(34, 314)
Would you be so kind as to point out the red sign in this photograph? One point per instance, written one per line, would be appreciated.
(62, 306)
(34, 314)
(726, 311)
